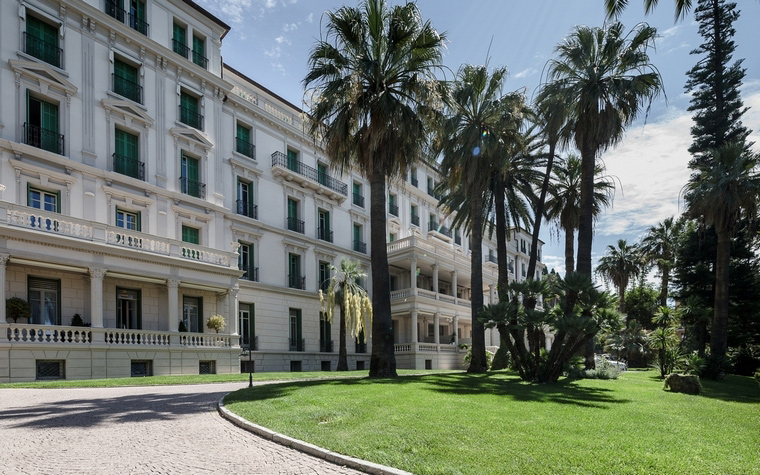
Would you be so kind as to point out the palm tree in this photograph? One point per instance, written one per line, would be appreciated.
(563, 206)
(615, 7)
(471, 141)
(355, 306)
(658, 247)
(604, 76)
(375, 95)
(619, 265)
(724, 192)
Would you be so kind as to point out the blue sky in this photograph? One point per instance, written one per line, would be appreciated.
(270, 42)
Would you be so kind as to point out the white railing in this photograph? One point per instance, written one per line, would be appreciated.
(447, 298)
(48, 334)
(402, 347)
(32, 218)
(426, 293)
(137, 337)
(401, 294)
(427, 347)
(440, 250)
(448, 348)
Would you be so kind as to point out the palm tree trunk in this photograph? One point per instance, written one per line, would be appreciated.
(664, 286)
(501, 245)
(621, 299)
(719, 331)
(569, 250)
(540, 212)
(342, 354)
(382, 362)
(478, 362)
(586, 231)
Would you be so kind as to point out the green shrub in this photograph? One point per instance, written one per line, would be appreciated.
(76, 320)
(16, 308)
(716, 367)
(683, 383)
(489, 357)
(745, 360)
(694, 364)
(182, 327)
(604, 370)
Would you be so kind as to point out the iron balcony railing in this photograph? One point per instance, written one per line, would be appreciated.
(295, 344)
(245, 147)
(297, 282)
(324, 234)
(492, 258)
(200, 60)
(445, 231)
(41, 49)
(251, 273)
(126, 88)
(360, 246)
(280, 159)
(358, 200)
(415, 220)
(180, 48)
(414, 182)
(325, 346)
(393, 209)
(458, 240)
(193, 187)
(431, 191)
(129, 166)
(190, 117)
(433, 225)
(49, 140)
(132, 20)
(247, 209)
(295, 224)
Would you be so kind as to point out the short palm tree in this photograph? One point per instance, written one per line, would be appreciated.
(355, 305)
(658, 247)
(605, 78)
(724, 193)
(375, 95)
(619, 265)
(564, 203)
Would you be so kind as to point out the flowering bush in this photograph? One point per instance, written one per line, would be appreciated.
(216, 323)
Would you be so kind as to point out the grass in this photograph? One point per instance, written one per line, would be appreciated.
(460, 423)
(189, 379)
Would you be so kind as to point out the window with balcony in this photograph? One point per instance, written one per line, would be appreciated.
(359, 245)
(190, 179)
(392, 206)
(131, 12)
(294, 224)
(42, 125)
(295, 339)
(179, 40)
(292, 157)
(324, 232)
(199, 52)
(44, 200)
(295, 278)
(126, 158)
(415, 216)
(324, 276)
(247, 326)
(322, 174)
(244, 203)
(457, 237)
(41, 41)
(325, 334)
(126, 82)
(191, 235)
(358, 195)
(246, 263)
(432, 222)
(391, 237)
(128, 219)
(243, 141)
(413, 177)
(188, 111)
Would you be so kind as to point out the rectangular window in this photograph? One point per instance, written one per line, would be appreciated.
(243, 141)
(126, 158)
(292, 160)
(415, 216)
(323, 222)
(391, 237)
(44, 300)
(245, 204)
(188, 111)
(190, 178)
(245, 261)
(322, 173)
(41, 41)
(41, 127)
(296, 337)
(324, 275)
(44, 200)
(126, 81)
(247, 325)
(128, 219)
(413, 177)
(392, 207)
(294, 224)
(325, 333)
(358, 196)
(294, 272)
(190, 235)
(199, 52)
(128, 309)
(192, 314)
(179, 41)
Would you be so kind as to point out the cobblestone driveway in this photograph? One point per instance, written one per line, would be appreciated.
(167, 429)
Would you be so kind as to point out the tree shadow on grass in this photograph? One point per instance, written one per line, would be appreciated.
(733, 388)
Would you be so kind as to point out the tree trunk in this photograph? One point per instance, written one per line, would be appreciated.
(342, 355)
(664, 286)
(540, 213)
(718, 333)
(382, 362)
(621, 298)
(569, 251)
(586, 231)
(478, 362)
(501, 245)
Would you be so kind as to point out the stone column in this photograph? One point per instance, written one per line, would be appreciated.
(436, 330)
(96, 297)
(456, 330)
(172, 314)
(414, 276)
(415, 337)
(435, 278)
(232, 310)
(3, 261)
(491, 300)
(454, 284)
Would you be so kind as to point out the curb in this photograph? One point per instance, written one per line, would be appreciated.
(310, 449)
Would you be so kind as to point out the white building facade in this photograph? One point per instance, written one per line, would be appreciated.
(146, 187)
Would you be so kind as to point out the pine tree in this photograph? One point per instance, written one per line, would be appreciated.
(716, 101)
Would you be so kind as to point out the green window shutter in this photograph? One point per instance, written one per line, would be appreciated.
(140, 10)
(189, 102)
(244, 133)
(179, 34)
(125, 71)
(198, 46)
(299, 334)
(190, 167)
(190, 235)
(252, 322)
(292, 159)
(357, 232)
(139, 223)
(49, 116)
(357, 189)
(292, 209)
(126, 144)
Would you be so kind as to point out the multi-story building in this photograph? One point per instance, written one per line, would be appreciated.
(147, 186)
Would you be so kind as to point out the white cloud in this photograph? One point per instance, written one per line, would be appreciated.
(282, 40)
(526, 73)
(233, 11)
(310, 18)
(289, 27)
(278, 67)
(274, 52)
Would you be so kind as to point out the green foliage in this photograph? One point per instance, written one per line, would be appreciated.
(664, 339)
(182, 326)
(604, 370)
(501, 359)
(16, 307)
(619, 265)
(76, 320)
(693, 364)
(629, 344)
(716, 367)
(641, 304)
(216, 323)
(745, 360)
(468, 357)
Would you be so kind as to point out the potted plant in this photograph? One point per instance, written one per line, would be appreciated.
(16, 308)
(182, 327)
(216, 323)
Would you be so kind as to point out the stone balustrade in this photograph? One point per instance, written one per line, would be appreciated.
(427, 294)
(442, 250)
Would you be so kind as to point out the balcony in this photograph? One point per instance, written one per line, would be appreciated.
(130, 18)
(193, 187)
(129, 166)
(180, 48)
(457, 239)
(191, 118)
(414, 182)
(324, 234)
(297, 282)
(40, 49)
(415, 220)
(317, 180)
(245, 148)
(49, 140)
(295, 344)
(358, 200)
(440, 231)
(393, 209)
(247, 209)
(431, 247)
(360, 246)
(431, 191)
(200, 60)
(295, 224)
(492, 259)
(251, 273)
(126, 88)
(326, 346)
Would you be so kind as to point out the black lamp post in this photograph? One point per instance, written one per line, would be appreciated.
(250, 367)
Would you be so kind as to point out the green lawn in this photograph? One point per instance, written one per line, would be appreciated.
(460, 423)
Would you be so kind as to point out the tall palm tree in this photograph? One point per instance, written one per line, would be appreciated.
(605, 77)
(724, 192)
(471, 141)
(355, 306)
(373, 75)
(619, 265)
(615, 7)
(658, 247)
(564, 203)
